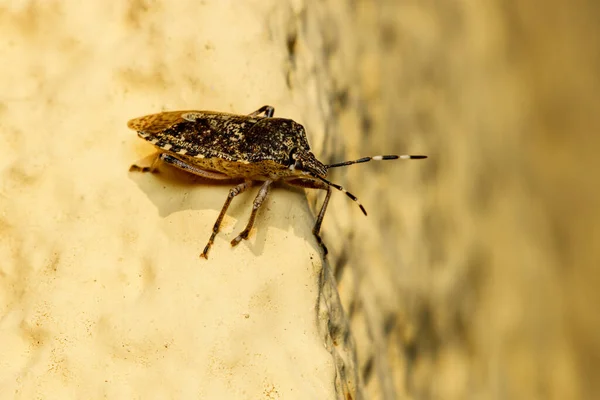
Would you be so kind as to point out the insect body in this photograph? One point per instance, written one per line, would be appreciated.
(247, 148)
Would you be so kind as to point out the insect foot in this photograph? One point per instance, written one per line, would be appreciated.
(152, 162)
(137, 168)
(251, 149)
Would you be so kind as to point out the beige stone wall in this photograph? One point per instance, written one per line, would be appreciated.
(474, 275)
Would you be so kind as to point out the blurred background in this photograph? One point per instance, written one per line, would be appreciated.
(493, 242)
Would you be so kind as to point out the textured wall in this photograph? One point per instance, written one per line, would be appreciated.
(103, 293)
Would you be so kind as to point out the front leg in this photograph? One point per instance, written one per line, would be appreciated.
(310, 184)
(317, 228)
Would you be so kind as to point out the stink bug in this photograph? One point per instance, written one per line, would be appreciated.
(246, 148)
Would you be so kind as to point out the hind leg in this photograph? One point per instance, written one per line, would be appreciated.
(151, 164)
(267, 110)
(192, 169)
(159, 158)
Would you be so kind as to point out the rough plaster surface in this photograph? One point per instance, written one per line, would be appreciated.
(103, 293)
(474, 275)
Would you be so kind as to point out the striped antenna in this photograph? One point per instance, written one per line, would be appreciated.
(375, 158)
(341, 189)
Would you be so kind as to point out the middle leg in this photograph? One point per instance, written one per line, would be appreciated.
(260, 197)
(232, 193)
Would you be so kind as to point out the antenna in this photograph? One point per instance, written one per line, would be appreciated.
(376, 158)
(361, 160)
(341, 189)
